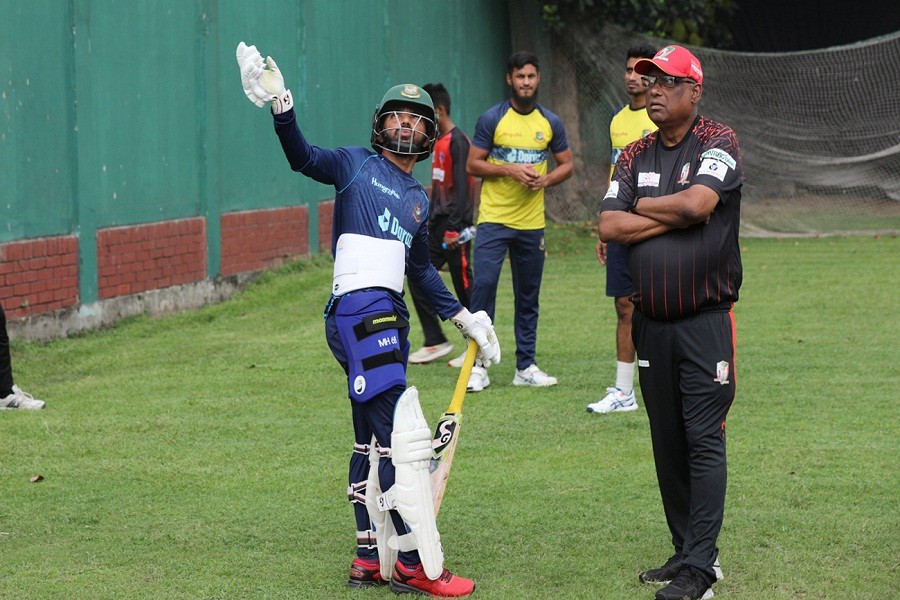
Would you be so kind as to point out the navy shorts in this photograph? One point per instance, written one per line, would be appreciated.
(618, 277)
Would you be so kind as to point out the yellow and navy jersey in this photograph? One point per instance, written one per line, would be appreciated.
(514, 138)
(628, 125)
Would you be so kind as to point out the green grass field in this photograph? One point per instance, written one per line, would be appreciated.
(204, 455)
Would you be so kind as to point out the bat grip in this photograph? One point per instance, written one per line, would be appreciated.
(462, 382)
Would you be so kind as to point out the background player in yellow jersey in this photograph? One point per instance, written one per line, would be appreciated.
(629, 124)
(510, 151)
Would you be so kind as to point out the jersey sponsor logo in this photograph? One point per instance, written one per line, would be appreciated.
(417, 211)
(437, 174)
(359, 384)
(721, 156)
(613, 190)
(722, 372)
(713, 167)
(519, 156)
(648, 179)
(385, 189)
(643, 363)
(386, 222)
(685, 171)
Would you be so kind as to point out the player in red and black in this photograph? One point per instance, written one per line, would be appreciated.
(450, 212)
(675, 201)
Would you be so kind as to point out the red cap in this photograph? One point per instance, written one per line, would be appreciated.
(673, 60)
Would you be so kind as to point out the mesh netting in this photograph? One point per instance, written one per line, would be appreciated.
(819, 130)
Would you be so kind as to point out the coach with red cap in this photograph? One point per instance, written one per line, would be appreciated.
(675, 201)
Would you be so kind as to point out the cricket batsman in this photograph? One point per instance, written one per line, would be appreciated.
(379, 234)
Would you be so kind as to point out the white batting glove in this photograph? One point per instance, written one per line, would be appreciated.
(478, 326)
(262, 81)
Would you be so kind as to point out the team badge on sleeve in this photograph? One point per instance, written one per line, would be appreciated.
(715, 162)
(613, 190)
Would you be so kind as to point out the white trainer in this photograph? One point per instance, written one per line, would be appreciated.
(717, 569)
(426, 354)
(615, 400)
(457, 362)
(533, 377)
(20, 399)
(478, 380)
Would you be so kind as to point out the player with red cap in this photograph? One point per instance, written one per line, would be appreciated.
(675, 200)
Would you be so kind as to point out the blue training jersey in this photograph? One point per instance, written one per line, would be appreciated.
(375, 198)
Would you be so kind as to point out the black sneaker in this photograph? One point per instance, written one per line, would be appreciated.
(689, 584)
(663, 574)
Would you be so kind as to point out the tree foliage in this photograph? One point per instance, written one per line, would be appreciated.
(695, 22)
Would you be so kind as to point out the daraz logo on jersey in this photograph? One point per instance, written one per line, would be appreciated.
(386, 222)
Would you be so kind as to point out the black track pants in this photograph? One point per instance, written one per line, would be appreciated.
(687, 375)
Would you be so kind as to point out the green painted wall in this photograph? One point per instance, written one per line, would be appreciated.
(116, 112)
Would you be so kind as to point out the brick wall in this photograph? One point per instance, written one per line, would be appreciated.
(326, 220)
(261, 239)
(138, 258)
(39, 275)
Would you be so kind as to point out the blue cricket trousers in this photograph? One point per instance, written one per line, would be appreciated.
(526, 258)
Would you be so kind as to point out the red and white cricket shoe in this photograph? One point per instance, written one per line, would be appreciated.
(412, 580)
(365, 572)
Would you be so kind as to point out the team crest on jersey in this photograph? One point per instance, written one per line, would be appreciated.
(685, 171)
(722, 372)
(417, 211)
(539, 136)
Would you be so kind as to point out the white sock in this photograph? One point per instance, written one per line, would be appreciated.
(625, 376)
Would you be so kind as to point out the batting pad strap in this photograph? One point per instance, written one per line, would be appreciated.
(385, 358)
(366, 539)
(379, 322)
(361, 449)
(386, 501)
(356, 492)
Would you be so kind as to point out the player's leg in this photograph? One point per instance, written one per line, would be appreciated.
(619, 397)
(654, 341)
(708, 381)
(526, 257)
(410, 493)
(491, 246)
(436, 345)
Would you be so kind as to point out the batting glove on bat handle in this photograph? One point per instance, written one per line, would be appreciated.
(262, 80)
(478, 326)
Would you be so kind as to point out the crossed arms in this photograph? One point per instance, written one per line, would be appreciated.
(656, 216)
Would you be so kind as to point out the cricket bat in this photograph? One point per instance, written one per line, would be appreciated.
(446, 434)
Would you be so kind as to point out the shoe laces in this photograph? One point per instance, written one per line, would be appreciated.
(446, 576)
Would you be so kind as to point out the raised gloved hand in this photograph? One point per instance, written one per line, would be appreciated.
(478, 326)
(262, 81)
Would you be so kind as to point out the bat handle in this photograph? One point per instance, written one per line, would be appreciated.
(462, 382)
